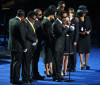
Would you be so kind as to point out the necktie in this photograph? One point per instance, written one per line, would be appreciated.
(33, 27)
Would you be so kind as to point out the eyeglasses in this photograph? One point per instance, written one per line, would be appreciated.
(71, 12)
(40, 14)
(33, 18)
(64, 16)
(62, 6)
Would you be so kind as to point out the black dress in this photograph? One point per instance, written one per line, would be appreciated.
(84, 42)
(68, 45)
(48, 41)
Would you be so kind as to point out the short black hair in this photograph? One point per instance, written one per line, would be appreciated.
(60, 13)
(20, 12)
(31, 14)
(61, 2)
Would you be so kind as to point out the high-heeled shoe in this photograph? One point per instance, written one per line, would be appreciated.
(81, 67)
(62, 74)
(48, 75)
(65, 74)
(87, 67)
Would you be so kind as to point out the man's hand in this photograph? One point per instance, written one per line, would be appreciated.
(36, 41)
(87, 32)
(33, 44)
(25, 50)
(75, 43)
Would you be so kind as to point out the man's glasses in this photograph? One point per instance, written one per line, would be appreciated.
(62, 6)
(71, 12)
(40, 14)
(64, 17)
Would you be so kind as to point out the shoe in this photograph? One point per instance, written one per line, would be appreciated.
(38, 78)
(29, 80)
(82, 68)
(73, 70)
(56, 79)
(17, 82)
(87, 67)
(48, 75)
(62, 74)
(65, 74)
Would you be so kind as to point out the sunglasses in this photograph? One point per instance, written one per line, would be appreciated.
(64, 17)
(62, 7)
(40, 14)
(71, 12)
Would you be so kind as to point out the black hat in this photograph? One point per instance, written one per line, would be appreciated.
(82, 9)
(20, 12)
(49, 12)
(53, 7)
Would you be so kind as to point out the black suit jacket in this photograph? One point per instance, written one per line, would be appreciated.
(59, 33)
(47, 30)
(17, 40)
(30, 35)
(86, 25)
(39, 31)
(74, 34)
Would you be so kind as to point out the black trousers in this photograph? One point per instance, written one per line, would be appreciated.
(16, 61)
(35, 60)
(27, 59)
(57, 64)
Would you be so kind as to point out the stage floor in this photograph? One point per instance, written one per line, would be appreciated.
(80, 77)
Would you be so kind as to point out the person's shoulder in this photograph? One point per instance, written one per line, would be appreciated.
(87, 17)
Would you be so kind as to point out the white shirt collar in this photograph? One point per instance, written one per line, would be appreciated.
(71, 18)
(37, 19)
(18, 18)
(59, 20)
(28, 20)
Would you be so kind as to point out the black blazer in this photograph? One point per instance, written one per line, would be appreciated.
(17, 40)
(39, 31)
(84, 25)
(59, 33)
(74, 34)
(47, 32)
(30, 35)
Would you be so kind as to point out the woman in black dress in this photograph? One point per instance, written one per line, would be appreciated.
(48, 39)
(85, 28)
(74, 38)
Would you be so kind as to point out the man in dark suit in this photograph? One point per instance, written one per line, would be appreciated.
(30, 19)
(17, 45)
(39, 32)
(59, 31)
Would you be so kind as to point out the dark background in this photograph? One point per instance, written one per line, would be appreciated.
(10, 11)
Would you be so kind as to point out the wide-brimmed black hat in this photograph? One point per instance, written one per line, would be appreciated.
(82, 9)
(49, 12)
(53, 7)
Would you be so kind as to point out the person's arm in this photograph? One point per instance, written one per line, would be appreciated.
(22, 35)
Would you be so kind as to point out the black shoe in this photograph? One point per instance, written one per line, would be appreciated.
(29, 80)
(82, 68)
(73, 70)
(17, 82)
(38, 78)
(48, 75)
(57, 80)
(87, 67)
